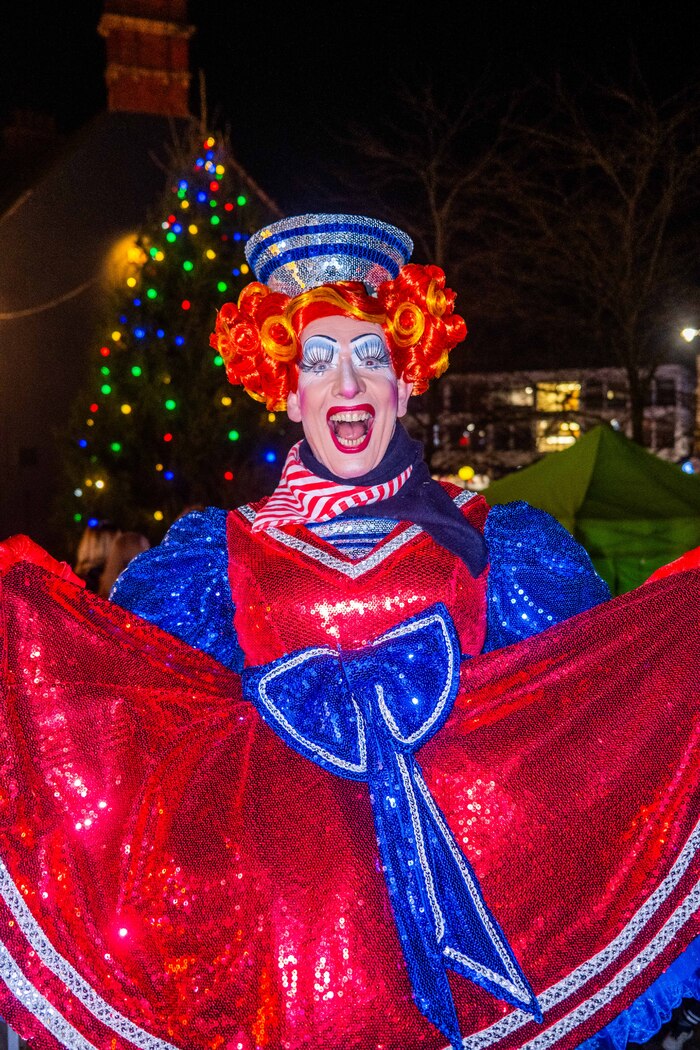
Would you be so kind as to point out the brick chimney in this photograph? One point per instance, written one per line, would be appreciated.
(147, 56)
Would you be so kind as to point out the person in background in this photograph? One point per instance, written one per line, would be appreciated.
(125, 547)
(93, 549)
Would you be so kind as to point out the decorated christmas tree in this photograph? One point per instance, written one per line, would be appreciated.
(159, 429)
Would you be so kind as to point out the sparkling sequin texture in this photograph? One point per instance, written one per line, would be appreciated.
(306, 251)
(213, 888)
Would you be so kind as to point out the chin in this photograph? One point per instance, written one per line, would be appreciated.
(349, 465)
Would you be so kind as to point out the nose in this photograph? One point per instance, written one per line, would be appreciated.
(348, 382)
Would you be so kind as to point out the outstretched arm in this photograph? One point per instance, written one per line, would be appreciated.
(21, 548)
(539, 575)
(182, 586)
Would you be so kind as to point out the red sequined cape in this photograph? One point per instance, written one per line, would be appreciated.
(173, 875)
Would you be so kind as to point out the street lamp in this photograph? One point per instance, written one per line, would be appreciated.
(689, 334)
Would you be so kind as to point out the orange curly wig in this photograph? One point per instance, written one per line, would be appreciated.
(259, 338)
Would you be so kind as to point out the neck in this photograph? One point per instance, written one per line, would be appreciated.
(400, 452)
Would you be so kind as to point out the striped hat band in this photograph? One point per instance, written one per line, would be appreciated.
(306, 251)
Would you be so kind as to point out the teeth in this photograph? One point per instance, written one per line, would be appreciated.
(349, 442)
(350, 417)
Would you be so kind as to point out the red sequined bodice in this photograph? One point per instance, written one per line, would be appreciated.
(293, 590)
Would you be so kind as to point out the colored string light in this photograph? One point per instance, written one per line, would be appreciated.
(210, 199)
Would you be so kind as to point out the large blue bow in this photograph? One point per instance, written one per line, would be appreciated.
(361, 714)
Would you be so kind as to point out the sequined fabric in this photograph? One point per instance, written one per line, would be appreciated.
(306, 251)
(175, 875)
(539, 574)
(182, 585)
(292, 590)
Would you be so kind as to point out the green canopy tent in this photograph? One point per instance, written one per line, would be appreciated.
(631, 511)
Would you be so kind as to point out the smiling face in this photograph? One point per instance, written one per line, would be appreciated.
(348, 395)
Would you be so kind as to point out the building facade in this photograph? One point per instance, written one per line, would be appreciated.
(493, 423)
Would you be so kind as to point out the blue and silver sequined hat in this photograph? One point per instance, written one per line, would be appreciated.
(306, 251)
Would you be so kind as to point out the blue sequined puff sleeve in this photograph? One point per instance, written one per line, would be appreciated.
(539, 575)
(182, 586)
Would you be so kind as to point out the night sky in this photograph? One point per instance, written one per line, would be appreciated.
(288, 79)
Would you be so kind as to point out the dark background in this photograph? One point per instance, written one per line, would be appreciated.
(289, 78)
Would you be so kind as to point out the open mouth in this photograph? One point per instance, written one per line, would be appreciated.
(351, 428)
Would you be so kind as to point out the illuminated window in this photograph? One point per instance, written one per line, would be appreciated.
(521, 396)
(558, 397)
(555, 436)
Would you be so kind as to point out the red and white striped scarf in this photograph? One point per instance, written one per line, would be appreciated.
(302, 496)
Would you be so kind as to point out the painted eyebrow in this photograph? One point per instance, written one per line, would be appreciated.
(367, 337)
(328, 338)
(357, 339)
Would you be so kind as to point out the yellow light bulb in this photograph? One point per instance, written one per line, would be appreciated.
(126, 410)
(131, 282)
(192, 229)
(159, 256)
(158, 515)
(226, 400)
(245, 268)
(99, 484)
(271, 417)
(88, 482)
(116, 336)
(89, 422)
(184, 205)
(466, 473)
(220, 169)
(210, 254)
(159, 466)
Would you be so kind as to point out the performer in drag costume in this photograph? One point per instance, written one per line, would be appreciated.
(366, 765)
